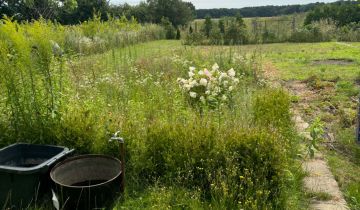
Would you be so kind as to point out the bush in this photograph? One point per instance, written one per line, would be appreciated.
(230, 166)
(235, 34)
(237, 168)
(321, 31)
(349, 33)
(169, 28)
(215, 37)
(195, 38)
(269, 37)
(271, 108)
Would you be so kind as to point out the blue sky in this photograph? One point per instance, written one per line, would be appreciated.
(205, 4)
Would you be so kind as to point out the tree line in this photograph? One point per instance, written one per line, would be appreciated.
(264, 11)
(342, 13)
(177, 12)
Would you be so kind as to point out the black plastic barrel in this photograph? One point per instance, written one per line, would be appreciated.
(87, 182)
(24, 172)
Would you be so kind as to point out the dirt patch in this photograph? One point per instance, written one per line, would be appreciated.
(270, 71)
(301, 90)
(333, 62)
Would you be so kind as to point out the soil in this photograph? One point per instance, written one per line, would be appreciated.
(333, 62)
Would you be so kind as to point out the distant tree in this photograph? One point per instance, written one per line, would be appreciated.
(222, 26)
(235, 33)
(191, 30)
(262, 11)
(239, 20)
(208, 25)
(141, 12)
(177, 11)
(343, 13)
(34, 9)
(216, 37)
(178, 34)
(192, 8)
(169, 28)
(86, 9)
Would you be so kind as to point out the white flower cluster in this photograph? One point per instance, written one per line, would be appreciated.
(209, 86)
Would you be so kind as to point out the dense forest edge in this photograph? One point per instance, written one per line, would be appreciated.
(266, 11)
(150, 11)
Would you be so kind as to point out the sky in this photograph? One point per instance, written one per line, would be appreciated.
(206, 4)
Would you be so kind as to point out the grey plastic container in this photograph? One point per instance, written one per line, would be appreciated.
(24, 172)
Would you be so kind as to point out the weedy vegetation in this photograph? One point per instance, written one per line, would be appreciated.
(203, 125)
(204, 141)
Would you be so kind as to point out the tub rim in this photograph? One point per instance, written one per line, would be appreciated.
(81, 157)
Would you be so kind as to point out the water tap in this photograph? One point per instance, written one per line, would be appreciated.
(115, 137)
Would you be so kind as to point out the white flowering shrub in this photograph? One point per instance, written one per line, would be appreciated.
(209, 87)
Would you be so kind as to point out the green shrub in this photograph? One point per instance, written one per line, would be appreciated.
(269, 37)
(235, 34)
(237, 168)
(271, 108)
(169, 28)
(306, 35)
(195, 38)
(349, 33)
(215, 37)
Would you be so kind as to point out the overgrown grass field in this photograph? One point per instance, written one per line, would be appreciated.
(203, 126)
(234, 147)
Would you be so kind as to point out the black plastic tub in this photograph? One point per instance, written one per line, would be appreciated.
(87, 182)
(24, 172)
